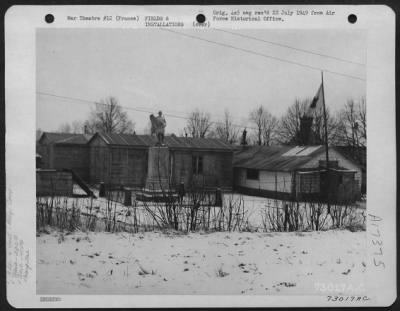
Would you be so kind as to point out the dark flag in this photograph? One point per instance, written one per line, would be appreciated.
(317, 100)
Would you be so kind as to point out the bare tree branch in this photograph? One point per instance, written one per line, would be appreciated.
(225, 129)
(198, 124)
(108, 117)
(265, 124)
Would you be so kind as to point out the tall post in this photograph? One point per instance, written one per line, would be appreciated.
(326, 144)
(325, 127)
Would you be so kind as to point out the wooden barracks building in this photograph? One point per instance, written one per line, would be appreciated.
(282, 172)
(122, 159)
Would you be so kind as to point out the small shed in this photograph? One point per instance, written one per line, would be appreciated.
(122, 159)
(65, 151)
(300, 172)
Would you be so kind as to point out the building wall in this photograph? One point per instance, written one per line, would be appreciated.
(65, 156)
(217, 168)
(99, 161)
(43, 151)
(117, 165)
(343, 162)
(44, 148)
(268, 180)
(74, 157)
(53, 183)
(128, 166)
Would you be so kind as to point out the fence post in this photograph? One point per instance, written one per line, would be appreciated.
(218, 197)
(127, 197)
(286, 217)
(181, 192)
(102, 192)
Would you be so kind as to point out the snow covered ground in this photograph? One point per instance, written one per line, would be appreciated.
(311, 263)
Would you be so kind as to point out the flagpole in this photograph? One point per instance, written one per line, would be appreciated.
(325, 127)
(326, 142)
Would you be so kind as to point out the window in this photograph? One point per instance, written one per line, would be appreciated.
(252, 174)
(197, 164)
(309, 183)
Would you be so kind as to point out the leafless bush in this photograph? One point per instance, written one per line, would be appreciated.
(233, 213)
(112, 200)
(54, 211)
(308, 216)
(198, 210)
(143, 271)
(317, 215)
(221, 273)
(281, 216)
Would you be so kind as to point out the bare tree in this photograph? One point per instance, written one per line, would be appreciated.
(77, 127)
(269, 132)
(226, 130)
(108, 117)
(352, 127)
(65, 128)
(362, 116)
(265, 126)
(318, 126)
(198, 124)
(289, 125)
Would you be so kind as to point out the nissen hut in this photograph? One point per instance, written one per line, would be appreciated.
(122, 159)
(296, 173)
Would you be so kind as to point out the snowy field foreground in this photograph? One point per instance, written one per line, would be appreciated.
(311, 263)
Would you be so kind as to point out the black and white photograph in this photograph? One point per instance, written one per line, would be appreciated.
(202, 160)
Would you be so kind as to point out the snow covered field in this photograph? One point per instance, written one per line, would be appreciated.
(311, 263)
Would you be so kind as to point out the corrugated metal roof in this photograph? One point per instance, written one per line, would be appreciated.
(170, 141)
(66, 138)
(272, 158)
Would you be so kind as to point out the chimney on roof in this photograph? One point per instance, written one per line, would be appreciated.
(243, 141)
(305, 129)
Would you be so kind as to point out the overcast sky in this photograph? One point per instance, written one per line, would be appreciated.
(153, 70)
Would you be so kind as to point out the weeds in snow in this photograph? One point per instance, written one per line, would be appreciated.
(143, 271)
(199, 210)
(280, 216)
(221, 273)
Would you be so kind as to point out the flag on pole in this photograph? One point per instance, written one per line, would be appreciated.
(318, 99)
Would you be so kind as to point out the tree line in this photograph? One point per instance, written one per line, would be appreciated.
(346, 127)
